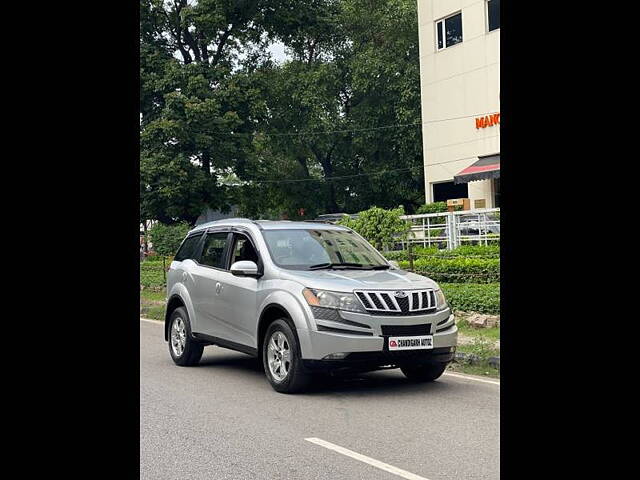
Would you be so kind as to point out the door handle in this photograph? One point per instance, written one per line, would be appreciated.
(218, 287)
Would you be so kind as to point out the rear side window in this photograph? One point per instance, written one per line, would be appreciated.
(213, 250)
(188, 248)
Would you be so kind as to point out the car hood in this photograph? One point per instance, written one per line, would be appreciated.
(349, 280)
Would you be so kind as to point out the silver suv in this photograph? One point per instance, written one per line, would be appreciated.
(305, 298)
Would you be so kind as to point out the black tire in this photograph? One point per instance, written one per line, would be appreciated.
(192, 351)
(424, 373)
(296, 379)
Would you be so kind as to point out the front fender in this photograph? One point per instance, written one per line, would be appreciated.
(293, 304)
(289, 297)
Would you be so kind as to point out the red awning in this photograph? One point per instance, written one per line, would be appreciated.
(485, 168)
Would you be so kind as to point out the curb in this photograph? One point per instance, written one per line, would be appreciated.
(472, 359)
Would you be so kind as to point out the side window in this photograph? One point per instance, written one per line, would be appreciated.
(243, 250)
(213, 250)
(188, 248)
(449, 31)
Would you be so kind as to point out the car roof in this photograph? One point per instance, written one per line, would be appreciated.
(268, 224)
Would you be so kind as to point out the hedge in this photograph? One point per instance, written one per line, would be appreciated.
(457, 269)
(485, 251)
(473, 297)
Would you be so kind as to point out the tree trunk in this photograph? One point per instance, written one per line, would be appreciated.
(206, 163)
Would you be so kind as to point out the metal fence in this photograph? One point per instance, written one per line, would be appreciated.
(452, 229)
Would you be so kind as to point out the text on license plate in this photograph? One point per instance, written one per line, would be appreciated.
(411, 343)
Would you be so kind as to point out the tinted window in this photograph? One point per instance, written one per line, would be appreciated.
(188, 248)
(449, 31)
(453, 29)
(213, 250)
(243, 250)
(447, 190)
(493, 14)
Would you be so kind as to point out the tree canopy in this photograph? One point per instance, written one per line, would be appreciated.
(333, 128)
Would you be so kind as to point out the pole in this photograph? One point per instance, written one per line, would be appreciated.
(410, 245)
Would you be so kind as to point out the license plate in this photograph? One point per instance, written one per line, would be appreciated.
(420, 342)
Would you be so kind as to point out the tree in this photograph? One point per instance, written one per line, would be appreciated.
(167, 238)
(222, 124)
(198, 105)
(380, 227)
(352, 75)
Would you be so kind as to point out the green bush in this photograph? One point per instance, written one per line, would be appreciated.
(167, 238)
(471, 251)
(435, 207)
(380, 227)
(473, 297)
(457, 269)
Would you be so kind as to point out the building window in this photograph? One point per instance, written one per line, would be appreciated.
(493, 14)
(447, 190)
(449, 31)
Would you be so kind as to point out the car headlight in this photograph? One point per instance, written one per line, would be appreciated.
(338, 300)
(441, 302)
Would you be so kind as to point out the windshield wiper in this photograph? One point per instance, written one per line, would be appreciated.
(333, 265)
(380, 267)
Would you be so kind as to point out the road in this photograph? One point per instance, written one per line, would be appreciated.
(222, 420)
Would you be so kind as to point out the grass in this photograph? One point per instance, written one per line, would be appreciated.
(152, 303)
(465, 329)
(484, 348)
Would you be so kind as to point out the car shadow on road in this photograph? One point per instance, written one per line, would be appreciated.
(378, 382)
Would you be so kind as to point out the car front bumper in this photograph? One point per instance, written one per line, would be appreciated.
(316, 345)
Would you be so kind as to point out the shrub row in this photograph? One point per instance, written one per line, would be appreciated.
(474, 297)
(486, 251)
(457, 269)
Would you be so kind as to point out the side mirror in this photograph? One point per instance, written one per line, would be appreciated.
(394, 264)
(245, 268)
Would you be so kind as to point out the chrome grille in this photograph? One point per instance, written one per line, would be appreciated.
(397, 302)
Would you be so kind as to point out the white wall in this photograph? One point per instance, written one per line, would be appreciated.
(459, 81)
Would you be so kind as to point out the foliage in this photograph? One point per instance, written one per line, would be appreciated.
(457, 269)
(435, 207)
(472, 251)
(167, 238)
(379, 226)
(217, 114)
(199, 101)
(473, 297)
(151, 274)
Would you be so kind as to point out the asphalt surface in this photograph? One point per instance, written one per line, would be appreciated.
(222, 420)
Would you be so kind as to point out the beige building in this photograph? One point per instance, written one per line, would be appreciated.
(460, 85)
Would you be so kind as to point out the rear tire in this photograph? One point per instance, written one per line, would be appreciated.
(184, 350)
(424, 373)
(281, 359)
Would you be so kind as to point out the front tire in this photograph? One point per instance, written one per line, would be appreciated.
(281, 359)
(184, 350)
(424, 373)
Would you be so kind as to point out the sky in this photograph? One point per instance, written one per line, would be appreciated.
(278, 53)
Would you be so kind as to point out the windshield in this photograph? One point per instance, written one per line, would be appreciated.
(312, 249)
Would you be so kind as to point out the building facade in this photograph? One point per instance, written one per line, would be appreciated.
(460, 99)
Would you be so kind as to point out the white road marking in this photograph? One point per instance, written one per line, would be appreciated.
(457, 375)
(363, 458)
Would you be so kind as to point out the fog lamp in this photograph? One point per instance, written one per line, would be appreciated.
(335, 356)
